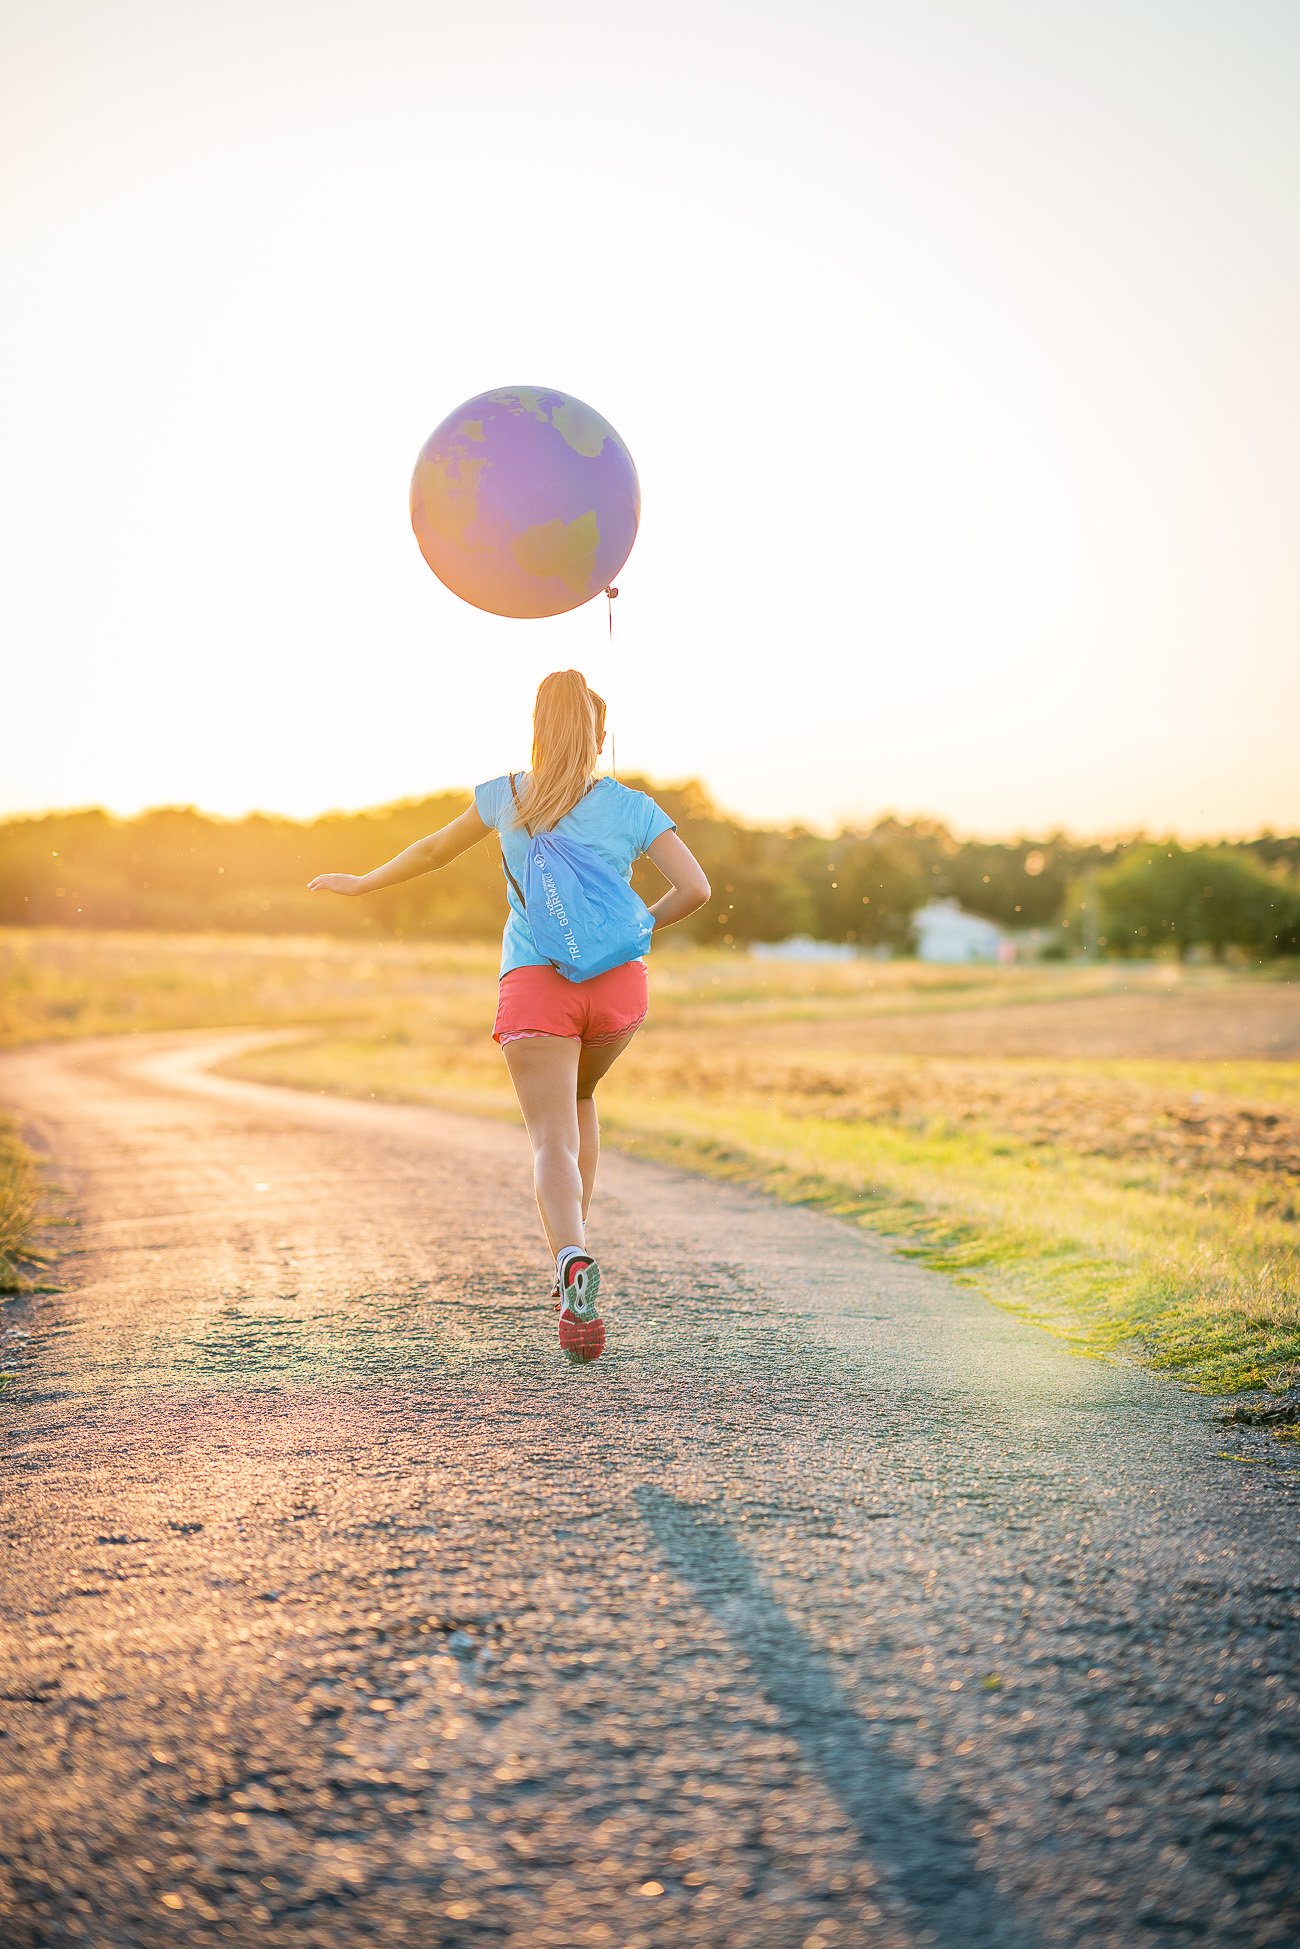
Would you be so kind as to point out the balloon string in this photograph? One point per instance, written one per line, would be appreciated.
(611, 592)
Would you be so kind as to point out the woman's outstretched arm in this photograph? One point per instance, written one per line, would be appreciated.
(439, 849)
(690, 886)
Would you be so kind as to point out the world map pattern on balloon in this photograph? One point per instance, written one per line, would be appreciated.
(525, 502)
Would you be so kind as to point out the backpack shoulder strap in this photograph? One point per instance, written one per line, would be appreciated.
(519, 892)
(518, 807)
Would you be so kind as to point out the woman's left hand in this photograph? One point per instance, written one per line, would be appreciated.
(336, 883)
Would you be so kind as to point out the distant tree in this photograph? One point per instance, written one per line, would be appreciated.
(1274, 849)
(1017, 882)
(1165, 895)
(178, 868)
(862, 888)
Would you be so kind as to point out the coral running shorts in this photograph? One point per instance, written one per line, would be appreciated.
(537, 1001)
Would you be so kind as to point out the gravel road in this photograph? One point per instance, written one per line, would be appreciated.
(833, 1606)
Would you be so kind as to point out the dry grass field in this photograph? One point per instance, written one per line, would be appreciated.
(17, 1207)
(1113, 1150)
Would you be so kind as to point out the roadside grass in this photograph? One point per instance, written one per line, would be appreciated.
(1102, 1251)
(18, 1193)
(1126, 1202)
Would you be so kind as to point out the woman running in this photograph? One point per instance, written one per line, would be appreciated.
(559, 1037)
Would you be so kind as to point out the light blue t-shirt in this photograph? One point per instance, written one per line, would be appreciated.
(613, 820)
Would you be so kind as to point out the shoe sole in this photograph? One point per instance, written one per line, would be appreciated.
(582, 1341)
(582, 1338)
(586, 1291)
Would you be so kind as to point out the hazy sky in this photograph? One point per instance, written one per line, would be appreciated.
(956, 345)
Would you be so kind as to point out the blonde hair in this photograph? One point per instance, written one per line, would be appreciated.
(568, 727)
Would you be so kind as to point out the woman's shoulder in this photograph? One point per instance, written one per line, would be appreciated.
(638, 816)
(629, 794)
(619, 793)
(495, 794)
(616, 799)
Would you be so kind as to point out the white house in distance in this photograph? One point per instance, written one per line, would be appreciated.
(946, 932)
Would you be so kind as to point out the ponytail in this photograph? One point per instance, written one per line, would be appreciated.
(568, 726)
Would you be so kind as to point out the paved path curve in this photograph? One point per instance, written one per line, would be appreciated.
(834, 1606)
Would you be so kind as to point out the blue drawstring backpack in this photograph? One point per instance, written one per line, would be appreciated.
(583, 915)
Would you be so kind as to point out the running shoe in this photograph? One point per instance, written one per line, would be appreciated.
(582, 1331)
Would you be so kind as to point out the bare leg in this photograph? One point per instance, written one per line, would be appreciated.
(588, 1148)
(544, 1071)
(592, 1065)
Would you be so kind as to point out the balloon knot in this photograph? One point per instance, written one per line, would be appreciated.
(611, 592)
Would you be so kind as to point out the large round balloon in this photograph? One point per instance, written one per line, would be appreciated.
(525, 502)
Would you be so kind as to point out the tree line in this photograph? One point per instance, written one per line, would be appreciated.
(180, 869)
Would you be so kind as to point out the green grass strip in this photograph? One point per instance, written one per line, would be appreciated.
(18, 1188)
(1107, 1253)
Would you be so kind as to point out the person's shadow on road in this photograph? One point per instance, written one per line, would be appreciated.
(922, 1852)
